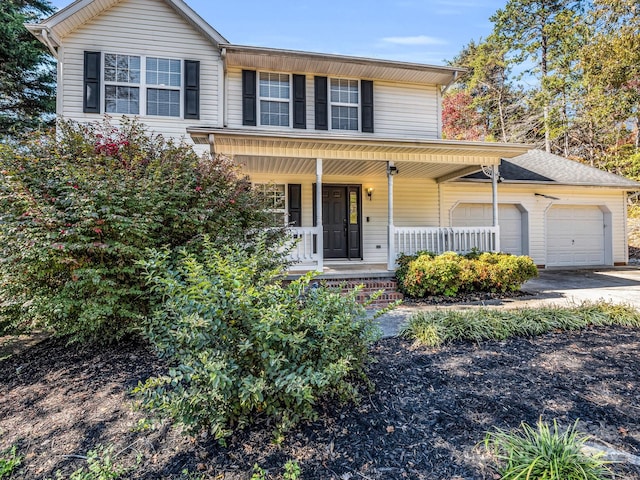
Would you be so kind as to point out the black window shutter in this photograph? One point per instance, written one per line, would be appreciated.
(322, 113)
(295, 205)
(366, 90)
(249, 112)
(91, 100)
(299, 101)
(191, 89)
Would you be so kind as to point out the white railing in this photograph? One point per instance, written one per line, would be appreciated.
(302, 252)
(409, 240)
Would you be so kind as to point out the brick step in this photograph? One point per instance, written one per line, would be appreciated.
(388, 286)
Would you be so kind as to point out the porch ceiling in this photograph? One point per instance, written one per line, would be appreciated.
(311, 145)
(351, 168)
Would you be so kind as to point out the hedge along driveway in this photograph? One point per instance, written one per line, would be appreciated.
(552, 287)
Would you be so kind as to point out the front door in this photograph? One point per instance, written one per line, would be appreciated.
(341, 221)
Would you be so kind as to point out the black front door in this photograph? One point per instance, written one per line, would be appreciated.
(341, 221)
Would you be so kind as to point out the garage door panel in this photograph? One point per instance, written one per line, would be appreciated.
(481, 215)
(575, 235)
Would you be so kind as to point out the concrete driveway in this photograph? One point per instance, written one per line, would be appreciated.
(552, 287)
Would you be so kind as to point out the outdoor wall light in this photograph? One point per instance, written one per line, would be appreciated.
(369, 192)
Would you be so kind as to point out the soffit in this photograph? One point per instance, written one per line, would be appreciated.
(337, 65)
(337, 167)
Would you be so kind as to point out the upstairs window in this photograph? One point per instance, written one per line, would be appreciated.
(164, 98)
(121, 84)
(274, 92)
(344, 97)
(127, 84)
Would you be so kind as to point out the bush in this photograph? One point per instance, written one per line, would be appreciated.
(544, 452)
(241, 346)
(78, 209)
(449, 273)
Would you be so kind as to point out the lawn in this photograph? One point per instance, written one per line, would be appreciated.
(429, 411)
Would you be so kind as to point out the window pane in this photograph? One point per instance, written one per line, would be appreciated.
(274, 85)
(274, 113)
(164, 103)
(344, 91)
(122, 99)
(344, 118)
(162, 71)
(121, 68)
(273, 194)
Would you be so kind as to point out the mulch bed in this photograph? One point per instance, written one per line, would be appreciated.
(429, 410)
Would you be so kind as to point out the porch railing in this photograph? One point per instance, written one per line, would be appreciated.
(409, 240)
(304, 246)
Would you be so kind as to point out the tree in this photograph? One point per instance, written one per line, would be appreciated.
(540, 37)
(487, 82)
(27, 69)
(460, 120)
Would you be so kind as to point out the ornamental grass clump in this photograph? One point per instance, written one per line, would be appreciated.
(78, 208)
(242, 347)
(544, 453)
(435, 328)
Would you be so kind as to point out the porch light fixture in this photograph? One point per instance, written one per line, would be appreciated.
(369, 192)
(392, 170)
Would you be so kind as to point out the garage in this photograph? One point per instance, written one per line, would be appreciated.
(510, 218)
(576, 236)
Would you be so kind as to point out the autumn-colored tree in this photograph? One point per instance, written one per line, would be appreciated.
(460, 119)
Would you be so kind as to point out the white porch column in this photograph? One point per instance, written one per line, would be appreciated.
(495, 175)
(391, 254)
(319, 234)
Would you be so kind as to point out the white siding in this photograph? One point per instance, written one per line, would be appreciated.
(537, 207)
(141, 27)
(400, 110)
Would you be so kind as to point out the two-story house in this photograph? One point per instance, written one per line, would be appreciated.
(349, 150)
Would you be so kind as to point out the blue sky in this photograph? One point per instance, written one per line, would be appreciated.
(423, 31)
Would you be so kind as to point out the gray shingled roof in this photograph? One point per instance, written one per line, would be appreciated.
(537, 166)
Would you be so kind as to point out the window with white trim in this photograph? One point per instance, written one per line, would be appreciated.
(275, 198)
(344, 97)
(121, 83)
(164, 75)
(132, 80)
(274, 90)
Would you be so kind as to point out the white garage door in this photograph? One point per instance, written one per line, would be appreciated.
(481, 215)
(575, 236)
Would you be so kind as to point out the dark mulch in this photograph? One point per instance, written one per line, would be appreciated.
(428, 412)
(464, 297)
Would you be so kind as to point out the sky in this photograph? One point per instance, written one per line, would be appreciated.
(421, 31)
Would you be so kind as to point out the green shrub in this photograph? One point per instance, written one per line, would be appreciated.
(78, 209)
(435, 328)
(242, 346)
(446, 274)
(544, 453)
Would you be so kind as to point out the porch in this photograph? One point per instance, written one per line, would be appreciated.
(363, 200)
